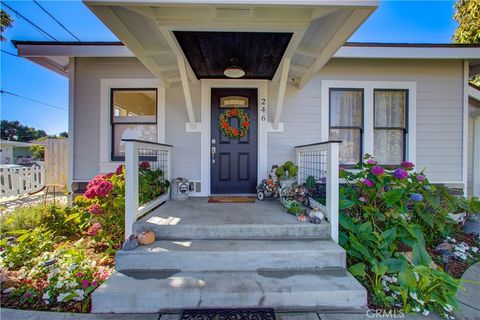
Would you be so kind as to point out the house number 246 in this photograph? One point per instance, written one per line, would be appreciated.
(263, 109)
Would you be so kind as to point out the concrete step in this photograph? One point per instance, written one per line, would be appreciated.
(166, 290)
(165, 229)
(232, 255)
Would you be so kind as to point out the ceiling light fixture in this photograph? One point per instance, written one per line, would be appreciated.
(234, 72)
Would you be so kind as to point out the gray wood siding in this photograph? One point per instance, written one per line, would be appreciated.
(88, 73)
(439, 110)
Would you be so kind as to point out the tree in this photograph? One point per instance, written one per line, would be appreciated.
(63, 134)
(5, 23)
(467, 14)
(38, 151)
(14, 130)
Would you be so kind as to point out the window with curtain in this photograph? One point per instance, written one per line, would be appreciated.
(133, 116)
(346, 123)
(390, 109)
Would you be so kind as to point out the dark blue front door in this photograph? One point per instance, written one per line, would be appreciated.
(234, 161)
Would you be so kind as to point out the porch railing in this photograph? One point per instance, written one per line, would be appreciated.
(149, 156)
(320, 160)
(18, 181)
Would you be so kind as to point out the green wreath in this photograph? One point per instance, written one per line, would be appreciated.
(228, 130)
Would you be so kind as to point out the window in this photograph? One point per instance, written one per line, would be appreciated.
(390, 127)
(133, 116)
(346, 123)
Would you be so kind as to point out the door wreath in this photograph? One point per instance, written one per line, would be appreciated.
(228, 130)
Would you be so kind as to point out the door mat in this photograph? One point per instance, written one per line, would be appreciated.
(231, 199)
(228, 314)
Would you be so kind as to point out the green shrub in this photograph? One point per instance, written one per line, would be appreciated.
(22, 218)
(384, 208)
(287, 170)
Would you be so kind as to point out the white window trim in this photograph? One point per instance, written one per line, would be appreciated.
(368, 114)
(106, 163)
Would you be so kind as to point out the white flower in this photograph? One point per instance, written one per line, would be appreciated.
(416, 309)
(62, 296)
(453, 240)
(72, 267)
(474, 249)
(72, 284)
(46, 296)
(80, 295)
(426, 313)
(10, 265)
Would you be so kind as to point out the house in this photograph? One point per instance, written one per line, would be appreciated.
(473, 176)
(298, 90)
(15, 152)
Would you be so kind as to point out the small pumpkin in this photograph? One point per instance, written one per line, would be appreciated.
(131, 243)
(302, 218)
(146, 237)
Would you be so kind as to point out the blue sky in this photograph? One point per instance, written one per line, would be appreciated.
(393, 21)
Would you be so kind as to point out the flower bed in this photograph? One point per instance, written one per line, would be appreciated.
(392, 221)
(63, 254)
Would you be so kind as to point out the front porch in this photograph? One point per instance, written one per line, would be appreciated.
(230, 255)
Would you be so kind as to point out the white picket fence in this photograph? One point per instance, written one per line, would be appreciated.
(18, 181)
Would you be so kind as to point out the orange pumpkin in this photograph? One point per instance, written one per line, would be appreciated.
(146, 238)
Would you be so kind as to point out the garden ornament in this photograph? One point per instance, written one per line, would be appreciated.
(146, 237)
(131, 243)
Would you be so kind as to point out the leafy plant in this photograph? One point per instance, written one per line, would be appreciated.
(22, 218)
(383, 209)
(311, 183)
(287, 171)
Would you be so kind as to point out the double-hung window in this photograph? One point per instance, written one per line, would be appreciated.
(346, 123)
(133, 116)
(390, 125)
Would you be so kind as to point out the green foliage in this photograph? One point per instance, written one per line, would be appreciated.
(22, 218)
(467, 14)
(27, 245)
(287, 170)
(65, 221)
(381, 209)
(5, 23)
(38, 151)
(152, 184)
(311, 183)
(14, 130)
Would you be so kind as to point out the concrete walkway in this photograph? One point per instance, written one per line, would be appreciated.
(469, 301)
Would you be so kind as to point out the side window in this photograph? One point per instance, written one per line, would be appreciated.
(346, 123)
(390, 126)
(133, 116)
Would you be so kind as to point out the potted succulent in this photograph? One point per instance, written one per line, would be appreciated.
(287, 174)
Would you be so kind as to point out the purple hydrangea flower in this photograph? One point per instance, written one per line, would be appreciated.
(416, 197)
(371, 161)
(400, 173)
(420, 177)
(369, 183)
(377, 170)
(407, 165)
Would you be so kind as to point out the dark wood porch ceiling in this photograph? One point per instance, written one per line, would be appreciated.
(209, 53)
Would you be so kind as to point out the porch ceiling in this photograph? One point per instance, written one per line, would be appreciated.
(317, 27)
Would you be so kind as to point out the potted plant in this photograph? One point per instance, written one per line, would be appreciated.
(472, 222)
(287, 174)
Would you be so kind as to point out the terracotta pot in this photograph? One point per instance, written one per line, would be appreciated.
(146, 238)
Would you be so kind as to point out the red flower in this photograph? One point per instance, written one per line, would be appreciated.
(144, 165)
(120, 169)
(224, 124)
(245, 124)
(233, 113)
(235, 132)
(95, 209)
(93, 230)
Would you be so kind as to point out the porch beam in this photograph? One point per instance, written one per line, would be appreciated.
(186, 91)
(292, 47)
(298, 68)
(307, 52)
(340, 31)
(169, 67)
(172, 42)
(110, 18)
(281, 91)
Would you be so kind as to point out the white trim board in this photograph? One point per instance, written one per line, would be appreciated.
(368, 87)
(106, 164)
(204, 126)
(71, 122)
(476, 156)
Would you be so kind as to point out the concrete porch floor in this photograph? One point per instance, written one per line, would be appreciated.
(199, 211)
(198, 219)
